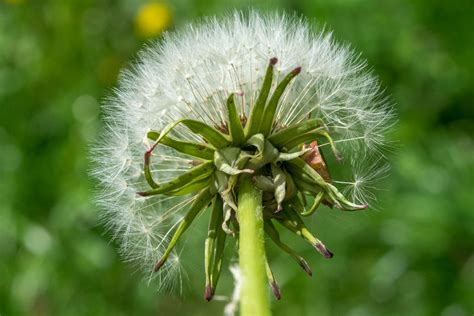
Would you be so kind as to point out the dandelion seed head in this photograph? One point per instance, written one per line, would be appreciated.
(189, 74)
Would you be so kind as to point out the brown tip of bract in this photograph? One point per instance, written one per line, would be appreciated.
(273, 61)
(324, 251)
(142, 193)
(306, 268)
(158, 265)
(208, 293)
(276, 290)
(296, 71)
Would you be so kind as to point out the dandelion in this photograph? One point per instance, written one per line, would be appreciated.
(256, 121)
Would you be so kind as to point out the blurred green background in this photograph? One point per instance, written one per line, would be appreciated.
(59, 59)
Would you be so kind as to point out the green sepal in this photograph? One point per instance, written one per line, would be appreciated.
(300, 166)
(264, 183)
(235, 126)
(309, 137)
(201, 202)
(255, 118)
(213, 248)
(297, 205)
(281, 138)
(304, 183)
(219, 254)
(272, 281)
(279, 180)
(229, 215)
(202, 151)
(317, 201)
(220, 181)
(270, 109)
(257, 141)
(191, 187)
(269, 154)
(331, 143)
(274, 235)
(304, 175)
(199, 172)
(343, 203)
(210, 134)
(291, 220)
(289, 156)
(291, 188)
(226, 160)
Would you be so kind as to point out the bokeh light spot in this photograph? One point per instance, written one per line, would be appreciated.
(152, 19)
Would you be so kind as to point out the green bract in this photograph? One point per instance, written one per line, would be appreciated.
(277, 162)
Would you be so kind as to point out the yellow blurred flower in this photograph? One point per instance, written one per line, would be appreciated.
(152, 19)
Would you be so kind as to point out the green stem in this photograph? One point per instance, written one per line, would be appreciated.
(253, 297)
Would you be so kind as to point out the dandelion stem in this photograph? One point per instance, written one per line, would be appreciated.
(254, 297)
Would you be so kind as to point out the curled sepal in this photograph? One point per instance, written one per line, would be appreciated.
(257, 112)
(291, 188)
(310, 180)
(317, 201)
(264, 183)
(287, 136)
(235, 126)
(343, 203)
(202, 151)
(227, 195)
(201, 201)
(229, 216)
(269, 154)
(292, 155)
(279, 180)
(193, 175)
(226, 160)
(272, 281)
(295, 224)
(257, 141)
(214, 247)
(270, 109)
(275, 237)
